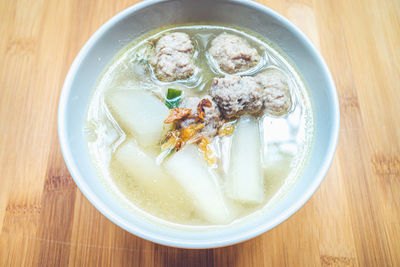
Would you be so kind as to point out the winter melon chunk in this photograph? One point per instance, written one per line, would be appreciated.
(142, 167)
(245, 177)
(191, 171)
(140, 113)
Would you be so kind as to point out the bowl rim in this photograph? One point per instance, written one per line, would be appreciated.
(239, 237)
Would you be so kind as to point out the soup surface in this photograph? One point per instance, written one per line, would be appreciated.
(199, 125)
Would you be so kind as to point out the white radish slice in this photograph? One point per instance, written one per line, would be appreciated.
(142, 167)
(245, 179)
(140, 113)
(191, 171)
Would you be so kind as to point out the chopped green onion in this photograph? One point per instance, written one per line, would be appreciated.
(173, 98)
(173, 93)
(173, 103)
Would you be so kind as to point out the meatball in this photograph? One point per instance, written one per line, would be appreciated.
(212, 115)
(172, 59)
(236, 95)
(232, 53)
(276, 94)
(268, 92)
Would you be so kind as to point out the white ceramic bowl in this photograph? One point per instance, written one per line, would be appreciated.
(149, 15)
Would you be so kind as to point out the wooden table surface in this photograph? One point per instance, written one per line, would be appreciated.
(352, 220)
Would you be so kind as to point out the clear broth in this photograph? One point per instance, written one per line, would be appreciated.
(287, 140)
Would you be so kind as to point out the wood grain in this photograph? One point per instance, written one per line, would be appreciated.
(352, 220)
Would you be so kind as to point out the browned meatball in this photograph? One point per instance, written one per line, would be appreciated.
(232, 53)
(172, 59)
(236, 95)
(267, 92)
(276, 94)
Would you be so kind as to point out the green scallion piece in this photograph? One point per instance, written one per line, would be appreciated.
(173, 98)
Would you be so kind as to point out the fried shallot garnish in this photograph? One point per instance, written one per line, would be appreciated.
(190, 131)
(176, 114)
(208, 153)
(178, 145)
(226, 129)
(171, 140)
(195, 139)
(200, 108)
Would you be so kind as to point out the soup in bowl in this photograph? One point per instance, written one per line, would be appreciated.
(201, 129)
